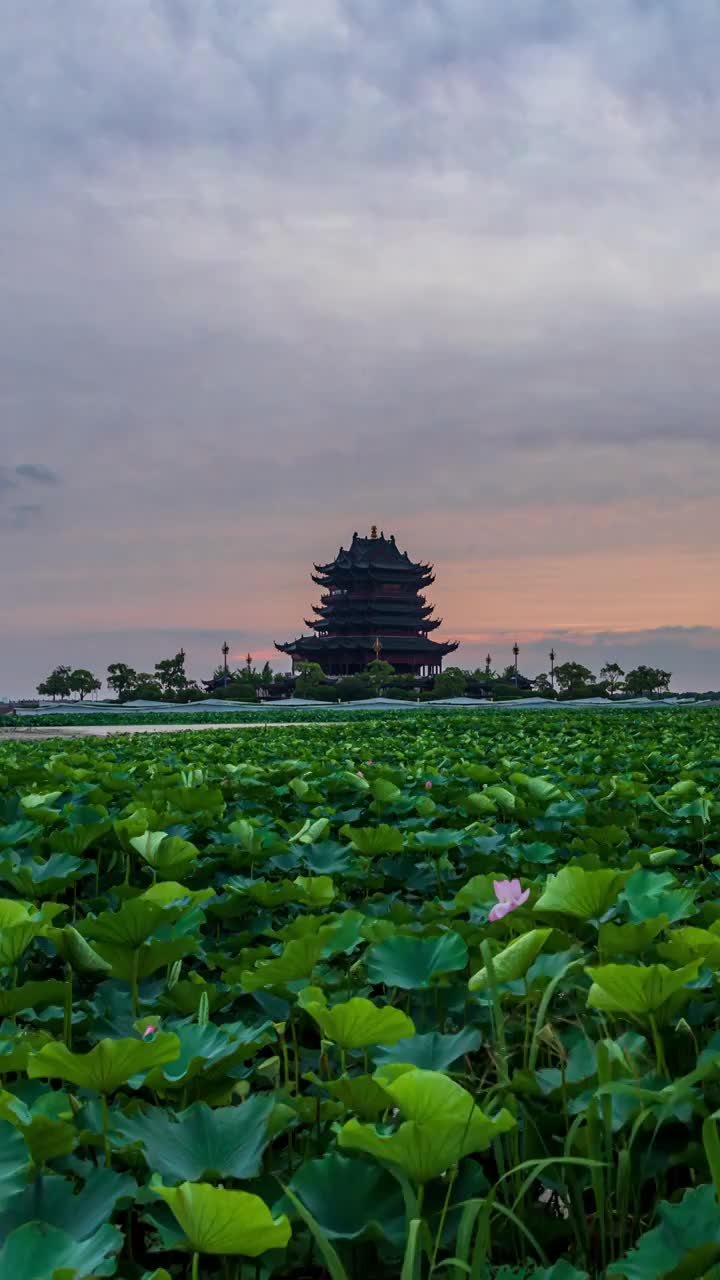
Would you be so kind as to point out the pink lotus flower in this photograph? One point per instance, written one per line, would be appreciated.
(509, 894)
(149, 1031)
(428, 786)
(369, 762)
(360, 773)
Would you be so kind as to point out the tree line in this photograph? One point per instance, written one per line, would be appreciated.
(169, 682)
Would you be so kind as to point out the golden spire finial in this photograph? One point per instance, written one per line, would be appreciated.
(373, 531)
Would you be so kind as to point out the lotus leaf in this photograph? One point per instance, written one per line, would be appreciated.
(637, 990)
(110, 1064)
(201, 1144)
(358, 1023)
(588, 895)
(514, 960)
(43, 1252)
(375, 1207)
(412, 963)
(225, 1222)
(443, 1124)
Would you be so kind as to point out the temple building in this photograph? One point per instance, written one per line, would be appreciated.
(371, 606)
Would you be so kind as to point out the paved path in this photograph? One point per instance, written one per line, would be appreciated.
(110, 730)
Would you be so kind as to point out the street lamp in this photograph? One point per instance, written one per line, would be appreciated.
(488, 661)
(551, 656)
(225, 651)
(248, 659)
(516, 650)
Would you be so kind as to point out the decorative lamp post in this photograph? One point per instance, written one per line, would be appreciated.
(225, 651)
(377, 648)
(488, 661)
(248, 661)
(516, 650)
(551, 656)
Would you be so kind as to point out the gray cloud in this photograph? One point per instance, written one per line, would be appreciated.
(275, 271)
(36, 471)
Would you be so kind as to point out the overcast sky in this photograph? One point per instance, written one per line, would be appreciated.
(272, 272)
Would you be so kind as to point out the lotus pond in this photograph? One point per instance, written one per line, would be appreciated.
(392, 999)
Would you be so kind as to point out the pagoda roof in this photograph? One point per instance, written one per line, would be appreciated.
(379, 554)
(390, 644)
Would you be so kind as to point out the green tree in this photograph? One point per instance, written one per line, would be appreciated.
(170, 675)
(122, 679)
(573, 677)
(146, 686)
(379, 673)
(644, 681)
(83, 681)
(611, 676)
(450, 683)
(266, 675)
(57, 684)
(310, 675)
(543, 683)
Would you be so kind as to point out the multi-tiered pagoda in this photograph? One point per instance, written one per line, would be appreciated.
(371, 607)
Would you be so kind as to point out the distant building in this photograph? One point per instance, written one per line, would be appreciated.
(371, 606)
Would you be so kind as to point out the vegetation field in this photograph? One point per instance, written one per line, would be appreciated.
(400, 998)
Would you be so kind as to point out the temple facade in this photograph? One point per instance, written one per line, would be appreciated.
(371, 606)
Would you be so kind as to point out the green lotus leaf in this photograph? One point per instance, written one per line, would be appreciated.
(637, 990)
(327, 857)
(171, 894)
(202, 1048)
(47, 1125)
(130, 926)
(412, 963)
(443, 1124)
(384, 792)
(17, 833)
(14, 941)
(433, 1051)
(31, 995)
(358, 1023)
(296, 961)
(201, 1144)
(541, 789)
(476, 892)
(311, 831)
(513, 961)
(14, 1161)
(75, 951)
(374, 1209)
(439, 840)
(225, 1222)
(143, 961)
(502, 797)
(317, 891)
(16, 1046)
(587, 895)
(687, 1236)
(42, 1252)
(631, 939)
(690, 943)
(361, 1094)
(53, 1200)
(35, 802)
(110, 1064)
(169, 856)
(652, 893)
(479, 802)
(372, 842)
(37, 879)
